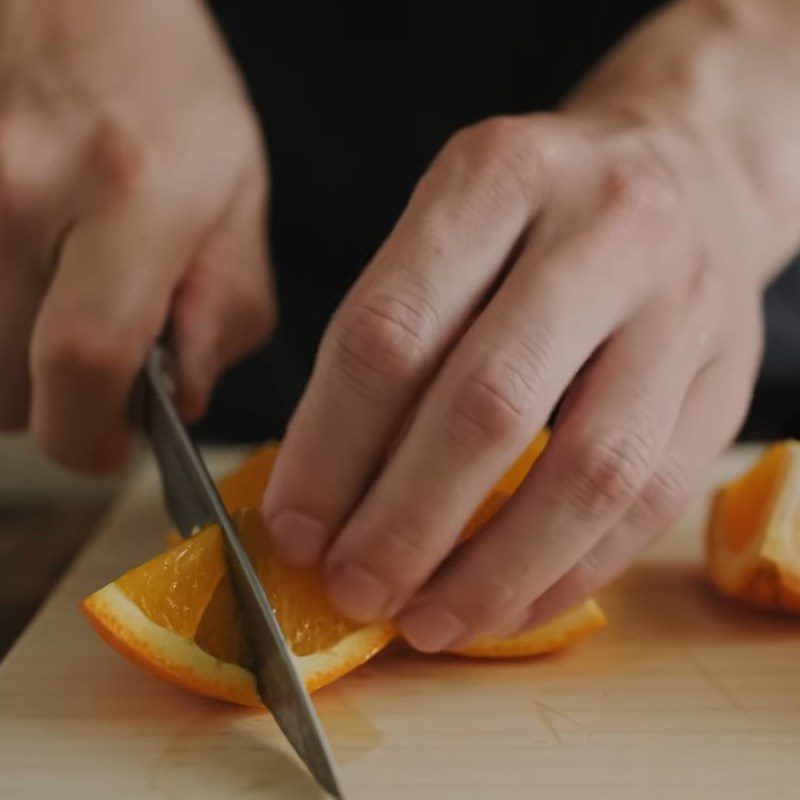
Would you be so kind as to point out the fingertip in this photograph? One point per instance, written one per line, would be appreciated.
(357, 593)
(298, 538)
(431, 628)
(192, 401)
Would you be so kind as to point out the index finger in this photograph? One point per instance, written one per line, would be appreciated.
(105, 306)
(495, 392)
(389, 335)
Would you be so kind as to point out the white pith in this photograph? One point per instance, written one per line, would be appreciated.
(181, 654)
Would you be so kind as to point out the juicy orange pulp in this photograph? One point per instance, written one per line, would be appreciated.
(177, 615)
(744, 503)
(753, 532)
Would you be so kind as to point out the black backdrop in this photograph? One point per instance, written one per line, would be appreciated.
(351, 124)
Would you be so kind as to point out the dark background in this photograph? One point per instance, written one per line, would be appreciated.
(351, 125)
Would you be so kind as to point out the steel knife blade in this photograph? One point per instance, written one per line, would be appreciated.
(193, 501)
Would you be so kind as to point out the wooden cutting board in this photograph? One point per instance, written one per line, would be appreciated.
(684, 696)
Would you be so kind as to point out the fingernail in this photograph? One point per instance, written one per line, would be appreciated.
(298, 538)
(431, 628)
(357, 593)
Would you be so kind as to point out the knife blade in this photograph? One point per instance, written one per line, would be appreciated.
(193, 501)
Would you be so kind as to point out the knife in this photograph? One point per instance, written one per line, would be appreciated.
(193, 502)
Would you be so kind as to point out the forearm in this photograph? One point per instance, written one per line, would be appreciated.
(727, 71)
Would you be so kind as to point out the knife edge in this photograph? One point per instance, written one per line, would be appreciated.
(193, 501)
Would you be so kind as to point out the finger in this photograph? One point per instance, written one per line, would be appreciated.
(226, 305)
(393, 329)
(713, 411)
(603, 451)
(492, 396)
(105, 306)
(35, 198)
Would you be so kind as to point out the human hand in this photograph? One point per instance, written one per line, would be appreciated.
(615, 251)
(132, 188)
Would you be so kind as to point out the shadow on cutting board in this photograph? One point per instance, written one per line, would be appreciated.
(229, 754)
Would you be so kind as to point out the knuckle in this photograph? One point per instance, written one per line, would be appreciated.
(500, 155)
(498, 400)
(381, 341)
(118, 156)
(642, 190)
(491, 407)
(84, 353)
(609, 472)
(496, 134)
(663, 496)
(18, 192)
(709, 288)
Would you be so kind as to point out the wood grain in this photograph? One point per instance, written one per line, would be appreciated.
(683, 696)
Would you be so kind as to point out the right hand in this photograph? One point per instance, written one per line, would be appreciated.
(133, 188)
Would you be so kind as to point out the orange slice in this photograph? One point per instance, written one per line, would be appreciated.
(506, 486)
(244, 487)
(563, 631)
(754, 532)
(177, 617)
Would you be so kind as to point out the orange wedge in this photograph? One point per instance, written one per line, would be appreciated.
(506, 486)
(561, 632)
(177, 617)
(244, 487)
(753, 543)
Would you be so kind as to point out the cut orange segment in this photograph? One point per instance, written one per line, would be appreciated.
(244, 487)
(563, 631)
(177, 615)
(754, 532)
(507, 485)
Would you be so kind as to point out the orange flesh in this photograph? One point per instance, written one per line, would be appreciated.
(506, 486)
(188, 591)
(174, 588)
(245, 487)
(521, 467)
(307, 619)
(745, 502)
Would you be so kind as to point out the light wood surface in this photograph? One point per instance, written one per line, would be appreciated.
(683, 696)
(27, 477)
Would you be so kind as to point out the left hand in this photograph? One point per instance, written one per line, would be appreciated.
(615, 257)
